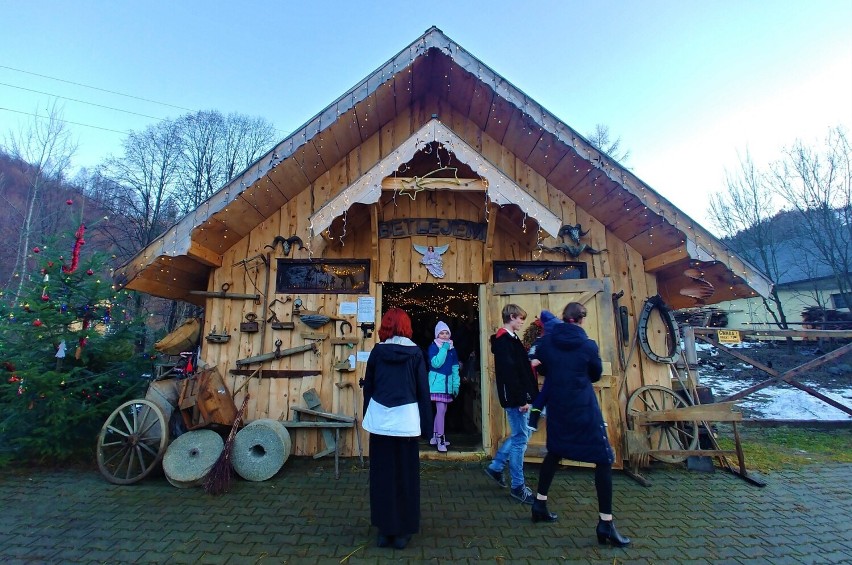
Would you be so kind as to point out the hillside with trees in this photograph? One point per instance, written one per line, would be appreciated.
(71, 347)
(160, 174)
(792, 218)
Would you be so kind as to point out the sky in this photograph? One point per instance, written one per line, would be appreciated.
(689, 87)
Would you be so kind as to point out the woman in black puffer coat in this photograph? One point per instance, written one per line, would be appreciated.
(570, 362)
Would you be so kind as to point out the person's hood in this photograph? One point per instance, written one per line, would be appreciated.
(500, 333)
(396, 350)
(568, 336)
(548, 320)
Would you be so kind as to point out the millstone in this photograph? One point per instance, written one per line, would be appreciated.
(190, 457)
(260, 449)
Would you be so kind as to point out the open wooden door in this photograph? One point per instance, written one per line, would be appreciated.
(596, 295)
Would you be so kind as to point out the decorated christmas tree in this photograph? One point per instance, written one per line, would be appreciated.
(66, 354)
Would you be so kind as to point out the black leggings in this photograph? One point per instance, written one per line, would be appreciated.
(603, 481)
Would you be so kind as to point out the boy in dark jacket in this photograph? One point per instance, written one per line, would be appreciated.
(516, 388)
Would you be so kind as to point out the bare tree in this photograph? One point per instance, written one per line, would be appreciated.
(744, 214)
(600, 138)
(139, 186)
(215, 148)
(43, 148)
(246, 140)
(818, 185)
(168, 170)
(202, 136)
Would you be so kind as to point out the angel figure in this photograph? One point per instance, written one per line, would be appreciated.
(432, 258)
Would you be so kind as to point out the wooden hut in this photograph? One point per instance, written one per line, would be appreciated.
(433, 151)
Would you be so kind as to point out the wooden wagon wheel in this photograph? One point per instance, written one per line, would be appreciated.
(132, 442)
(668, 436)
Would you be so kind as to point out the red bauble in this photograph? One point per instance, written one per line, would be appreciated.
(90, 272)
(36, 250)
(50, 263)
(45, 297)
(69, 202)
(37, 323)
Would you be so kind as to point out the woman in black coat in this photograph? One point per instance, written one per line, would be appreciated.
(397, 411)
(570, 362)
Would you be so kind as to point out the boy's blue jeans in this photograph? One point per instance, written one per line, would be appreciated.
(513, 449)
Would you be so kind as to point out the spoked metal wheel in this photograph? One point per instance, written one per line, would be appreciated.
(132, 442)
(662, 436)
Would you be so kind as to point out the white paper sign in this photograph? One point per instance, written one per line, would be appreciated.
(366, 309)
(348, 308)
(363, 356)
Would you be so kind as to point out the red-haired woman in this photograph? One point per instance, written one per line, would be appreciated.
(397, 411)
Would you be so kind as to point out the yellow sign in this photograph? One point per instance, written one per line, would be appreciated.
(729, 336)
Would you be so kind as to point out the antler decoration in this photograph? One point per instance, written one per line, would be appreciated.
(573, 251)
(575, 232)
(286, 243)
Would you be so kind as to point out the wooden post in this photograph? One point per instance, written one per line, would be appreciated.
(375, 212)
(493, 210)
(691, 355)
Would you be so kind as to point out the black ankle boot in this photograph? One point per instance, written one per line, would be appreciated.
(540, 513)
(607, 533)
(384, 541)
(399, 542)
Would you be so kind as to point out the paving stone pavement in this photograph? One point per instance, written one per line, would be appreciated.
(305, 515)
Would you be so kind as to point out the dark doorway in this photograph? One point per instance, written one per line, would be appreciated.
(458, 306)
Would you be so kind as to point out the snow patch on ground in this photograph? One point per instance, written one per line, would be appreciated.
(779, 401)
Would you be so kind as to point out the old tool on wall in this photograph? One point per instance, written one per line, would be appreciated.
(226, 295)
(214, 337)
(273, 320)
(277, 354)
(251, 325)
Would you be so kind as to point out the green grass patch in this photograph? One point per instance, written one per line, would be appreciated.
(771, 449)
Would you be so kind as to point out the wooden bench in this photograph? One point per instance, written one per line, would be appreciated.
(321, 420)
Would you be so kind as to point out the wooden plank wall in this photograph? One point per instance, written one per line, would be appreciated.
(398, 262)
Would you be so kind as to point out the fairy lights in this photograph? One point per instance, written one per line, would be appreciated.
(449, 300)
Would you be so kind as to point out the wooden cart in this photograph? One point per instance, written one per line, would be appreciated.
(134, 438)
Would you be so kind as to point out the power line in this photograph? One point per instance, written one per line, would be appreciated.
(81, 101)
(96, 88)
(64, 121)
(285, 132)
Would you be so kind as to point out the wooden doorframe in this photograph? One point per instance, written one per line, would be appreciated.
(486, 392)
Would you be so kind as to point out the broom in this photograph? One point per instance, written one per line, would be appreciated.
(218, 480)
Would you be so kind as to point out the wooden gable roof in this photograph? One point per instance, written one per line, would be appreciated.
(673, 246)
